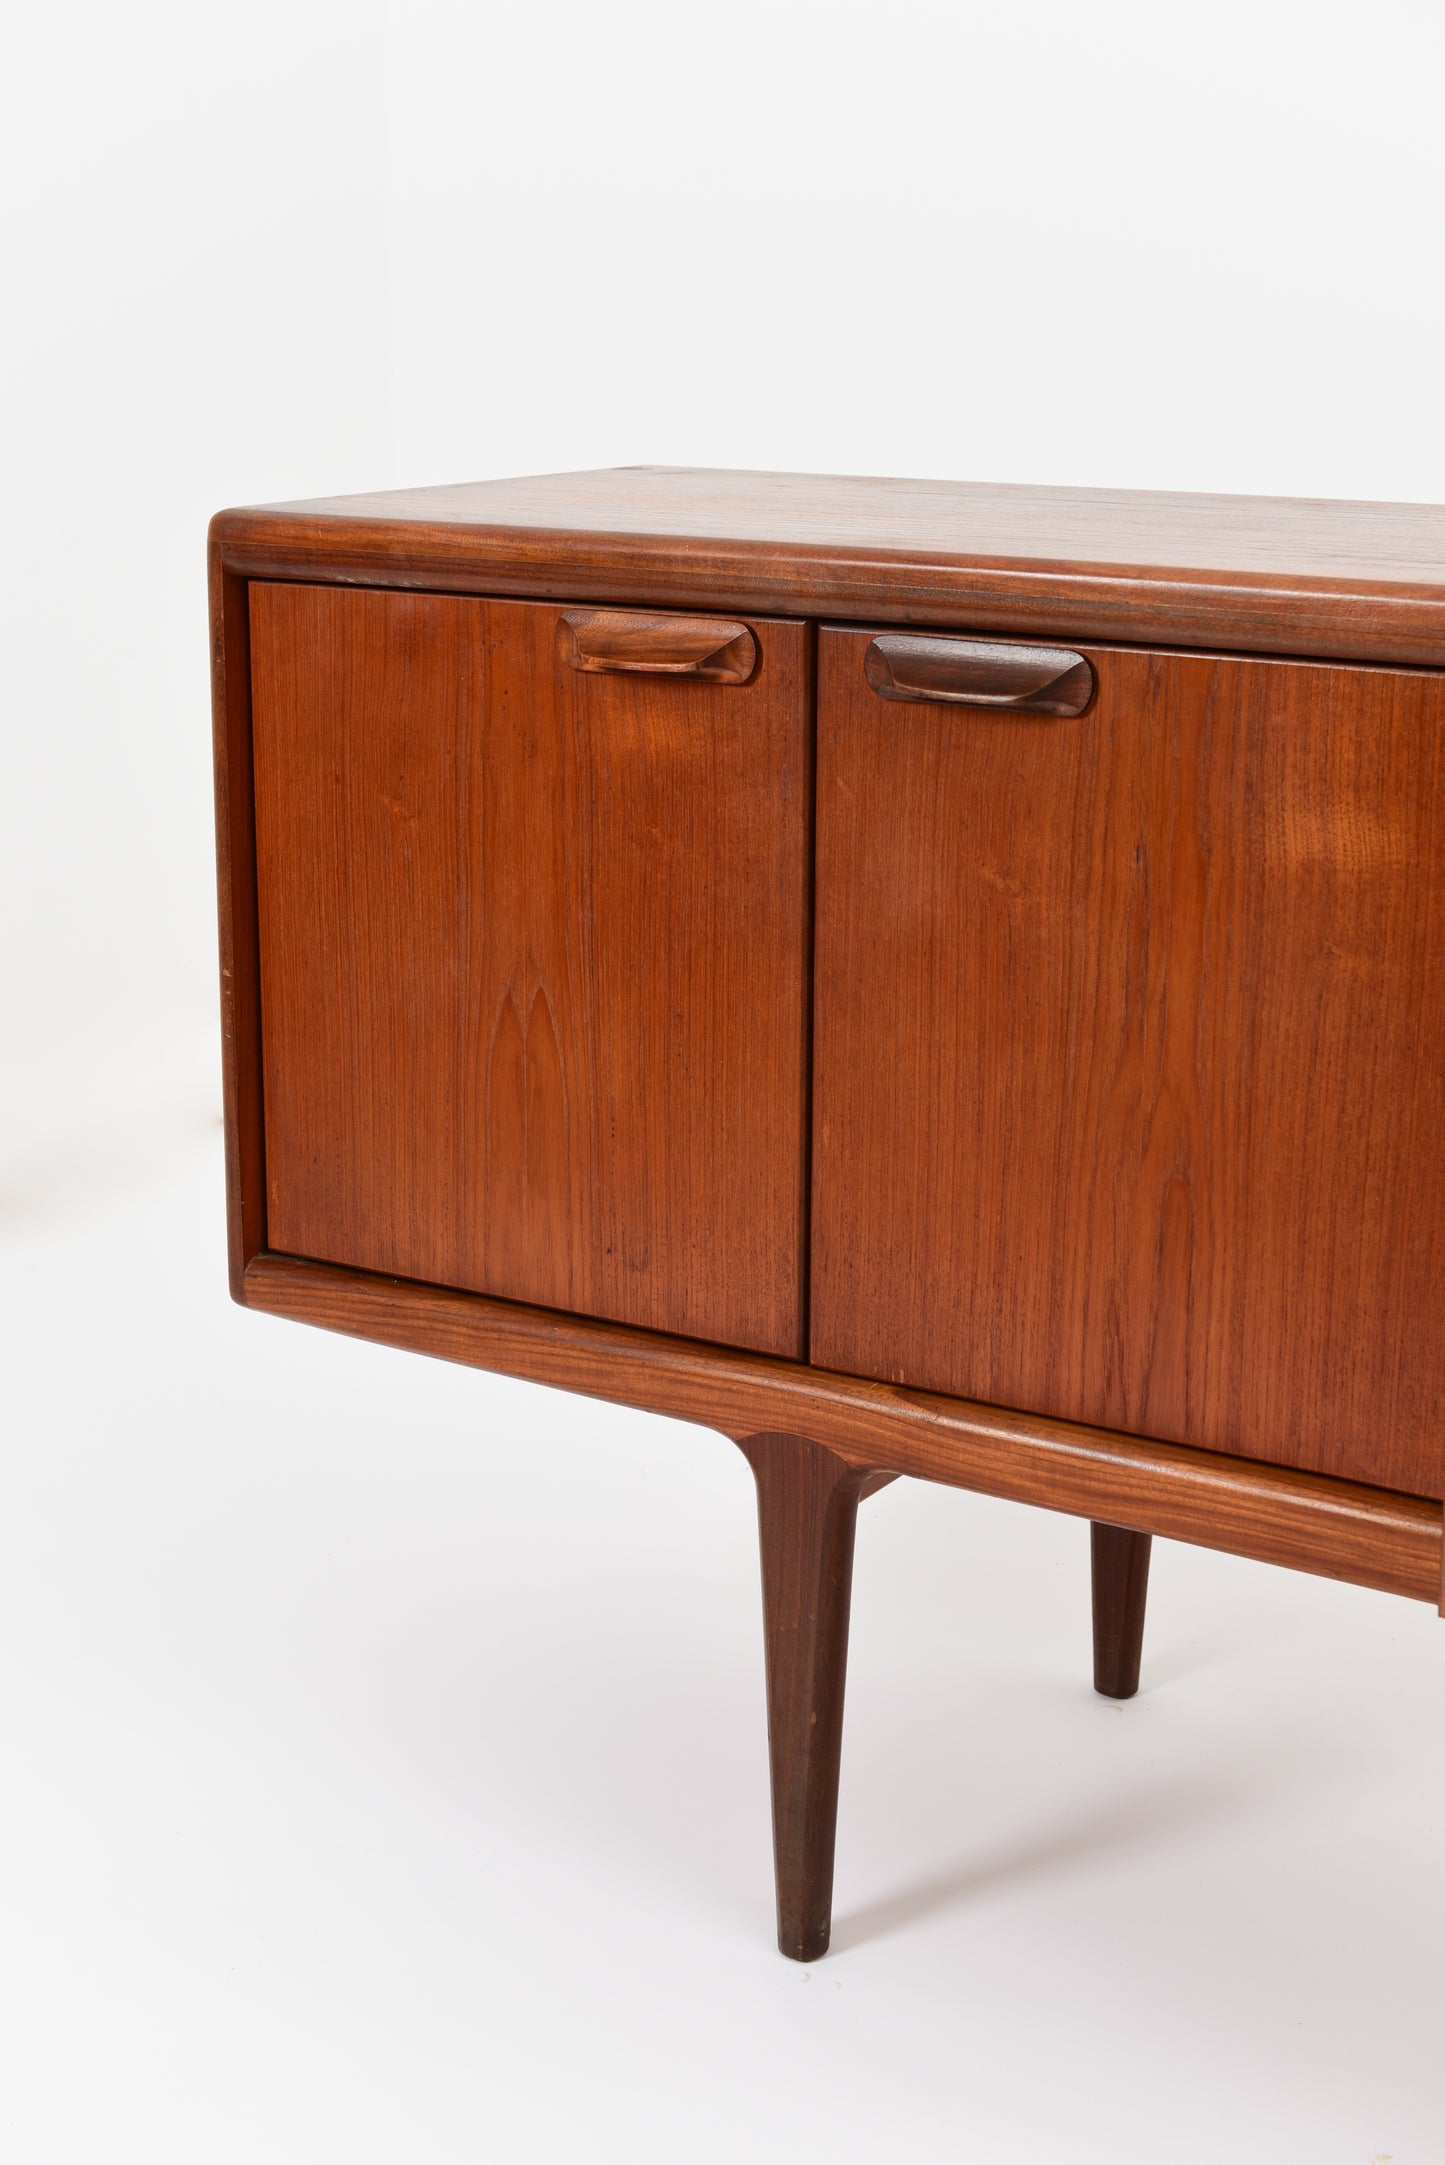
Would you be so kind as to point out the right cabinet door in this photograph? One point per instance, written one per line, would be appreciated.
(1128, 1053)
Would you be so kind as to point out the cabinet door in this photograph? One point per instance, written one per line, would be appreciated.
(1129, 1036)
(534, 959)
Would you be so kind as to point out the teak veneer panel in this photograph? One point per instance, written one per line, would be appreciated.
(1253, 574)
(1130, 1055)
(1337, 1529)
(534, 958)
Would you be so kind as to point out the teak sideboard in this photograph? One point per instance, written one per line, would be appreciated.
(925, 979)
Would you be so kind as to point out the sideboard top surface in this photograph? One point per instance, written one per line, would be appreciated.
(980, 521)
(1275, 574)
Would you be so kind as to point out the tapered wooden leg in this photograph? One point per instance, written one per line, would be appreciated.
(1121, 1582)
(807, 1509)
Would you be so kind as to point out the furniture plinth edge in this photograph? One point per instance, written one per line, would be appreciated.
(1307, 1522)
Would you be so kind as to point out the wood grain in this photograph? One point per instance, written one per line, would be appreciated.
(807, 1511)
(1336, 1529)
(1130, 1056)
(1254, 574)
(1119, 1572)
(534, 961)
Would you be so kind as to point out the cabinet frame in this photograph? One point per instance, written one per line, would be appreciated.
(1339, 1529)
(1245, 577)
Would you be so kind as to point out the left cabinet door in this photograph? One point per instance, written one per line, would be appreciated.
(534, 952)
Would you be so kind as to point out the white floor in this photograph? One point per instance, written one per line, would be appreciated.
(384, 1774)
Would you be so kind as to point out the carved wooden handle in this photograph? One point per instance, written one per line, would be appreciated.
(708, 648)
(979, 673)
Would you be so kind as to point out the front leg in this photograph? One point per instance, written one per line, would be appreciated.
(807, 1508)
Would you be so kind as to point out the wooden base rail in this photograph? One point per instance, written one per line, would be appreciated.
(1337, 1529)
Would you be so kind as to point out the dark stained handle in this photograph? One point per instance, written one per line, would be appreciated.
(979, 673)
(710, 649)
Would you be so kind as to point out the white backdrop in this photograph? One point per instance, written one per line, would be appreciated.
(384, 1744)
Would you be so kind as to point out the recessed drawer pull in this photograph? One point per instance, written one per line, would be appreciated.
(711, 649)
(979, 673)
